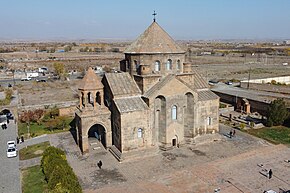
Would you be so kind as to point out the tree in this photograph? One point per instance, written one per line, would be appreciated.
(59, 69)
(277, 113)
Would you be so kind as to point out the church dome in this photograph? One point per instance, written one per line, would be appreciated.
(90, 81)
(154, 40)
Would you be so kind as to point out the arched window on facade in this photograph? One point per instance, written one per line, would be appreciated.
(174, 112)
(136, 65)
(90, 98)
(169, 64)
(98, 98)
(140, 132)
(157, 65)
(178, 67)
(209, 121)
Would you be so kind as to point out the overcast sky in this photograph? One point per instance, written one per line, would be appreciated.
(126, 19)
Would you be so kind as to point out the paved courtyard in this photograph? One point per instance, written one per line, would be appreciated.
(231, 164)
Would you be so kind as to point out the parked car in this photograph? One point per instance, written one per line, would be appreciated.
(270, 191)
(26, 79)
(11, 152)
(11, 144)
(9, 116)
(229, 83)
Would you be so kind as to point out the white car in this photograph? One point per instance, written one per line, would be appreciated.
(11, 144)
(11, 152)
(26, 79)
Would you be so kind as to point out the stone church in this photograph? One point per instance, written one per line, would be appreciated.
(157, 100)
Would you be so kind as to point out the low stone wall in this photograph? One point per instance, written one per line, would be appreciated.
(67, 111)
(226, 110)
(267, 87)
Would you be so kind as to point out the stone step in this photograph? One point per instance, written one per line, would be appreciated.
(139, 154)
(116, 153)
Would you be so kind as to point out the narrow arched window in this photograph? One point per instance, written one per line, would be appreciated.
(157, 65)
(178, 65)
(137, 65)
(169, 64)
(209, 121)
(174, 112)
(140, 132)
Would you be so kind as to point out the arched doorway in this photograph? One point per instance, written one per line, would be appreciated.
(98, 132)
(175, 141)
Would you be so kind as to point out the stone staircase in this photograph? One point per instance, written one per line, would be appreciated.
(116, 153)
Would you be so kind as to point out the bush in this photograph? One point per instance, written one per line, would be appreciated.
(277, 113)
(58, 173)
(242, 126)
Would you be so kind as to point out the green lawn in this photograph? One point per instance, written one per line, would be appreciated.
(36, 129)
(276, 135)
(33, 151)
(33, 180)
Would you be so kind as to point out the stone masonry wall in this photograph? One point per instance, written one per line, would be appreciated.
(204, 110)
(131, 122)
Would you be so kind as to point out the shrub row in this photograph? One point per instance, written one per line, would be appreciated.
(58, 174)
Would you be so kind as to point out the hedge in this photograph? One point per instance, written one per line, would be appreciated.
(58, 174)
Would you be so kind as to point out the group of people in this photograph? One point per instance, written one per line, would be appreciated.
(20, 140)
(232, 133)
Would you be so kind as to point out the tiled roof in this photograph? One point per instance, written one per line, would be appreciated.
(154, 40)
(90, 81)
(205, 95)
(121, 84)
(129, 104)
(199, 81)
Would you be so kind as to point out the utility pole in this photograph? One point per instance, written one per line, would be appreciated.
(249, 78)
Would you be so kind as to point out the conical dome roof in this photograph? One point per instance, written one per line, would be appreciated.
(154, 40)
(90, 81)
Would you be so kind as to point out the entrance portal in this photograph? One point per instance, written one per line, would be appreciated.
(98, 132)
(173, 142)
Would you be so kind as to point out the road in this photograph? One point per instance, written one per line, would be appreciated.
(9, 167)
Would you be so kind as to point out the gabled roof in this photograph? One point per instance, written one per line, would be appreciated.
(159, 85)
(154, 40)
(205, 95)
(199, 82)
(90, 81)
(129, 104)
(121, 84)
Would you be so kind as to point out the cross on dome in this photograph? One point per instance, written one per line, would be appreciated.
(154, 14)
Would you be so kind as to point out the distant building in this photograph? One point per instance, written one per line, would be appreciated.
(286, 42)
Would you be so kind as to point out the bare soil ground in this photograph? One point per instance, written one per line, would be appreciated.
(210, 67)
(35, 93)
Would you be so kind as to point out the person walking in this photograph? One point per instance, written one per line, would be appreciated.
(270, 173)
(234, 132)
(100, 163)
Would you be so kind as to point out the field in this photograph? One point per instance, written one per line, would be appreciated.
(228, 60)
(33, 151)
(276, 135)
